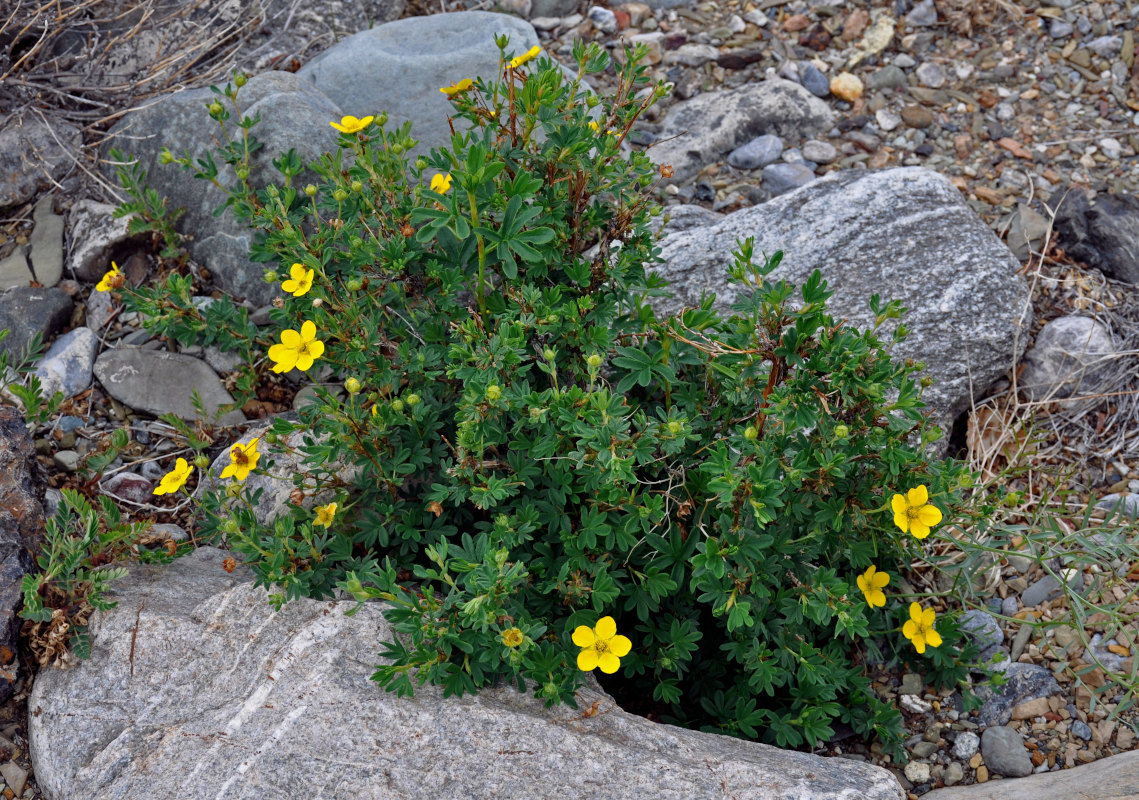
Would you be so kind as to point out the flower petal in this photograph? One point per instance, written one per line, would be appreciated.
(290, 338)
(606, 628)
(918, 530)
(929, 515)
(880, 580)
(620, 646)
(902, 521)
(910, 629)
(308, 330)
(316, 348)
(609, 663)
(863, 584)
(919, 643)
(916, 613)
(587, 660)
(898, 504)
(876, 597)
(933, 638)
(918, 496)
(583, 636)
(928, 615)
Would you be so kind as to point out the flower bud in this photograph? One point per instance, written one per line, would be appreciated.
(413, 399)
(397, 405)
(214, 108)
(421, 163)
(536, 414)
(240, 79)
(926, 382)
(354, 284)
(310, 190)
(841, 431)
(594, 361)
(317, 302)
(397, 148)
(750, 433)
(340, 195)
(230, 525)
(166, 157)
(548, 354)
(296, 496)
(382, 119)
(493, 392)
(242, 173)
(352, 386)
(202, 461)
(357, 186)
(233, 490)
(272, 276)
(270, 437)
(675, 427)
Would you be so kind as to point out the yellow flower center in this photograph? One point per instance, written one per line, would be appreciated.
(914, 513)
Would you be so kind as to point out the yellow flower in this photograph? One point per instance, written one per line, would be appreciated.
(455, 88)
(297, 349)
(301, 280)
(518, 61)
(913, 513)
(871, 582)
(175, 479)
(919, 628)
(601, 646)
(441, 183)
(511, 637)
(350, 124)
(113, 279)
(324, 514)
(242, 460)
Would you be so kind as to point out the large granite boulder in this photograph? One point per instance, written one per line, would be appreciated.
(902, 233)
(21, 533)
(294, 115)
(34, 152)
(1115, 778)
(197, 688)
(1103, 233)
(398, 68)
(708, 127)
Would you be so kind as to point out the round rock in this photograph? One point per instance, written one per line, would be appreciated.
(759, 152)
(1072, 355)
(781, 178)
(966, 745)
(819, 152)
(1004, 752)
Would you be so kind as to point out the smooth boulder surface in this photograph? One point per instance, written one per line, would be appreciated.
(399, 67)
(162, 383)
(901, 233)
(1115, 778)
(26, 311)
(1071, 356)
(33, 153)
(294, 115)
(197, 688)
(710, 126)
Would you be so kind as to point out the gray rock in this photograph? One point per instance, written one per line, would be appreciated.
(966, 745)
(923, 750)
(964, 313)
(408, 60)
(887, 120)
(225, 696)
(923, 15)
(782, 178)
(954, 774)
(66, 460)
(1023, 635)
(759, 152)
(1106, 46)
(691, 55)
(603, 19)
(1060, 29)
(166, 530)
(553, 8)
(1005, 753)
(1114, 778)
(684, 218)
(21, 533)
(1009, 606)
(100, 308)
(66, 366)
(904, 60)
(161, 383)
(931, 74)
(1104, 234)
(889, 77)
(92, 233)
(1125, 505)
(1028, 231)
(1081, 730)
(912, 683)
(916, 771)
(294, 115)
(984, 630)
(26, 311)
(46, 243)
(819, 152)
(709, 126)
(1072, 356)
(14, 270)
(130, 486)
(33, 153)
(1025, 682)
(814, 81)
(1040, 591)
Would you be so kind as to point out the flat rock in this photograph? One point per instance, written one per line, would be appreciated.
(398, 68)
(21, 533)
(1072, 355)
(198, 688)
(1025, 682)
(984, 630)
(759, 152)
(66, 366)
(1103, 233)
(14, 270)
(26, 311)
(93, 233)
(1115, 778)
(873, 232)
(33, 154)
(46, 243)
(161, 383)
(294, 115)
(1005, 753)
(782, 178)
(706, 128)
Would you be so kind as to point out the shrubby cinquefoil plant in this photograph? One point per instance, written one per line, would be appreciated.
(717, 510)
